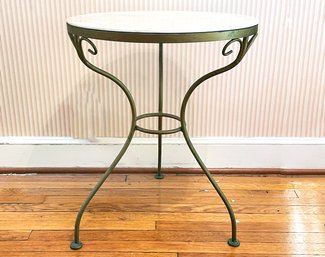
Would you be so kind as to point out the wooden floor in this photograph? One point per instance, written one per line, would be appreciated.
(180, 216)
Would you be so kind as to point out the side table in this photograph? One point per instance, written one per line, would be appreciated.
(161, 28)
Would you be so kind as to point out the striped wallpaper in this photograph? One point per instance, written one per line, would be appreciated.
(278, 89)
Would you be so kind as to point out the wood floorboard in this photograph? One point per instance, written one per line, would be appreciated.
(14, 235)
(180, 235)
(240, 199)
(189, 208)
(154, 192)
(157, 216)
(179, 216)
(165, 246)
(119, 254)
(83, 254)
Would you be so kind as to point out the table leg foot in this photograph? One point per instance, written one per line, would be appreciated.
(159, 176)
(76, 245)
(233, 243)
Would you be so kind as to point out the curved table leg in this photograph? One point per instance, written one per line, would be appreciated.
(77, 42)
(233, 241)
(244, 46)
(76, 243)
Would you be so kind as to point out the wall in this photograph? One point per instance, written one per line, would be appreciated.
(278, 90)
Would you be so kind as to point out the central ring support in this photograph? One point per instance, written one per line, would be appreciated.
(158, 131)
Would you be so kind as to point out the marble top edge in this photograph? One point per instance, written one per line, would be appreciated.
(162, 21)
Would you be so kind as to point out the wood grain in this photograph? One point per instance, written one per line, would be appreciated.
(83, 254)
(160, 184)
(14, 235)
(180, 216)
(180, 235)
(165, 246)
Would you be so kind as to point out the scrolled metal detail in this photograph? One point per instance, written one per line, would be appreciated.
(242, 51)
(93, 51)
(245, 44)
(224, 49)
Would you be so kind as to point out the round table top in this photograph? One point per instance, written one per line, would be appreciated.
(162, 27)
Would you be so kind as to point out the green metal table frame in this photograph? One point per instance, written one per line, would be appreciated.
(244, 37)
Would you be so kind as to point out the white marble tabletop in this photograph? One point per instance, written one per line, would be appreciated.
(162, 22)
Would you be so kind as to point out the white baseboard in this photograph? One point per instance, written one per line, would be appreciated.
(286, 153)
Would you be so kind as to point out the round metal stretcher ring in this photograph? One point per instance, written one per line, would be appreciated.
(159, 131)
